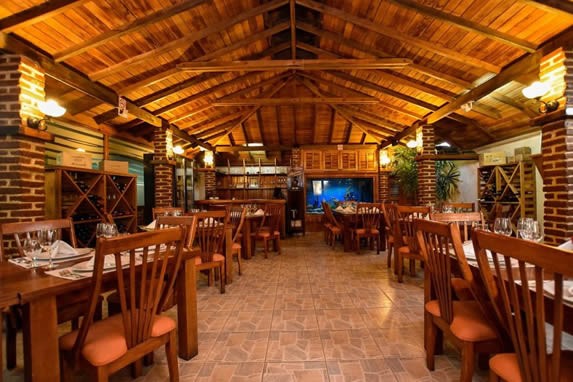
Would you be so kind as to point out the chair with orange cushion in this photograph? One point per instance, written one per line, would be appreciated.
(506, 264)
(333, 226)
(211, 228)
(368, 227)
(270, 227)
(405, 243)
(237, 218)
(389, 216)
(106, 346)
(463, 322)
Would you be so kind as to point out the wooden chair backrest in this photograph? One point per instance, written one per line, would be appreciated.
(20, 230)
(211, 227)
(189, 223)
(272, 218)
(404, 232)
(237, 216)
(369, 215)
(523, 311)
(329, 215)
(159, 211)
(389, 213)
(465, 221)
(460, 207)
(145, 280)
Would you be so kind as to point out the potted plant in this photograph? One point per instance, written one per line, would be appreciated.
(406, 173)
(447, 179)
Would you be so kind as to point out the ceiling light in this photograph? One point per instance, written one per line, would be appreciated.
(50, 108)
(443, 144)
(536, 90)
(81, 150)
(412, 143)
(178, 150)
(253, 144)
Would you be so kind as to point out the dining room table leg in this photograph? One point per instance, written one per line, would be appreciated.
(247, 242)
(229, 256)
(40, 334)
(187, 310)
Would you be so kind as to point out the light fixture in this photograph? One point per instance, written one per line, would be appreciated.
(208, 158)
(178, 150)
(50, 108)
(443, 144)
(537, 90)
(81, 150)
(253, 144)
(384, 158)
(467, 107)
(412, 144)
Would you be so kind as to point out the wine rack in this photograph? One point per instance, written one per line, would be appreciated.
(507, 189)
(89, 197)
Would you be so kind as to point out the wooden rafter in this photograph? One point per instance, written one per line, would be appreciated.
(190, 114)
(292, 17)
(332, 120)
(394, 34)
(296, 101)
(260, 124)
(216, 122)
(187, 40)
(318, 64)
(123, 30)
(466, 24)
(561, 7)
(37, 14)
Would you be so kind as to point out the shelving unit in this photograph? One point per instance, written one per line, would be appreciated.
(250, 181)
(509, 188)
(87, 196)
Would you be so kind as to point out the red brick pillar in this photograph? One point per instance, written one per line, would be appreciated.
(384, 184)
(210, 183)
(557, 148)
(164, 165)
(426, 166)
(22, 149)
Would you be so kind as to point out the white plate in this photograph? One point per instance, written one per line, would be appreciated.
(80, 252)
(88, 266)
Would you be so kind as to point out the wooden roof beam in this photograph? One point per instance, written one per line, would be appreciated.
(292, 19)
(394, 34)
(296, 101)
(37, 14)
(187, 40)
(466, 24)
(317, 64)
(123, 30)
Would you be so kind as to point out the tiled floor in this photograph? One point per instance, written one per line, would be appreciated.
(310, 314)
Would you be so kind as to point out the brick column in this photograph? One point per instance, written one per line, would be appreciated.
(22, 149)
(427, 166)
(557, 148)
(163, 170)
(210, 183)
(384, 184)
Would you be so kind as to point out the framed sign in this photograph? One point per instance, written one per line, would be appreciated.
(122, 107)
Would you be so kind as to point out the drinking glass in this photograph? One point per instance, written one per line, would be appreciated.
(536, 231)
(46, 238)
(111, 230)
(524, 228)
(502, 226)
(101, 229)
(32, 249)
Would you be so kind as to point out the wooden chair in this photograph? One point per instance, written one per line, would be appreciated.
(406, 245)
(466, 221)
(463, 322)
(332, 226)
(211, 228)
(70, 306)
(459, 207)
(107, 346)
(368, 215)
(237, 218)
(523, 311)
(173, 211)
(389, 216)
(270, 227)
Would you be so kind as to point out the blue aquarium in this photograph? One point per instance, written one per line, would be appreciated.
(337, 191)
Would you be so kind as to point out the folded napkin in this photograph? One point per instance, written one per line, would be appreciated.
(109, 262)
(339, 208)
(151, 225)
(568, 245)
(259, 212)
(62, 249)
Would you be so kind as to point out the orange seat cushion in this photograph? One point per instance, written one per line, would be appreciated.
(236, 246)
(218, 257)
(106, 342)
(335, 230)
(197, 260)
(362, 231)
(469, 323)
(506, 366)
(405, 250)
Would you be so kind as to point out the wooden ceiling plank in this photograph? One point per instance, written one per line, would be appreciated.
(292, 17)
(467, 25)
(560, 7)
(37, 14)
(515, 104)
(216, 122)
(295, 101)
(261, 125)
(133, 27)
(191, 113)
(314, 127)
(300, 64)
(394, 34)
(332, 119)
(72, 78)
(187, 40)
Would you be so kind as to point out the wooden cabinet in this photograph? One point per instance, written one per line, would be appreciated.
(337, 160)
(295, 211)
(256, 181)
(88, 196)
(508, 190)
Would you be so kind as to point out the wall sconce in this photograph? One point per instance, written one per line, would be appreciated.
(537, 90)
(412, 144)
(178, 150)
(208, 159)
(50, 108)
(384, 158)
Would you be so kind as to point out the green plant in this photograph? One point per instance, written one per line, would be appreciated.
(406, 170)
(447, 179)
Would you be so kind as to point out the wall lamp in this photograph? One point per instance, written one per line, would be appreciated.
(384, 158)
(178, 150)
(50, 108)
(537, 90)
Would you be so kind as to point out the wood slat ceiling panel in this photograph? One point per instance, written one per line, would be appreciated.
(322, 124)
(286, 124)
(10, 7)
(270, 135)
(304, 115)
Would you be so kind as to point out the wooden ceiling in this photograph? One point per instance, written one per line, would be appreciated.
(292, 72)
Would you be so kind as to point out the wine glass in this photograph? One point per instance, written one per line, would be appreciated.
(502, 226)
(32, 249)
(101, 229)
(524, 227)
(46, 238)
(110, 231)
(536, 231)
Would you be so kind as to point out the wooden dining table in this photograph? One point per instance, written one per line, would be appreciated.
(349, 220)
(36, 292)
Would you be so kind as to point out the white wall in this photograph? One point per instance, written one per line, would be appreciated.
(468, 188)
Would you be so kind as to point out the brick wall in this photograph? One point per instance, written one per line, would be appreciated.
(210, 183)
(384, 184)
(163, 169)
(427, 168)
(296, 158)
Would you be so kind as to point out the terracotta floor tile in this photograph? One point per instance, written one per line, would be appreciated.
(223, 372)
(375, 370)
(295, 346)
(295, 372)
(294, 320)
(294, 302)
(349, 344)
(249, 321)
(240, 347)
(339, 319)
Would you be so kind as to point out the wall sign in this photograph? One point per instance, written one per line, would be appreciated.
(122, 108)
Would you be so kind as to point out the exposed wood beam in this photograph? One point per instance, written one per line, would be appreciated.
(216, 122)
(150, 80)
(347, 131)
(189, 138)
(191, 113)
(332, 120)
(133, 27)
(561, 7)
(340, 39)
(292, 16)
(318, 64)
(37, 14)
(234, 149)
(466, 24)
(260, 125)
(514, 103)
(296, 101)
(396, 35)
(72, 78)
(187, 40)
